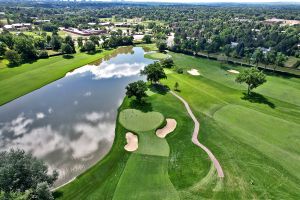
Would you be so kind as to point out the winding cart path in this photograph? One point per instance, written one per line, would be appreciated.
(195, 137)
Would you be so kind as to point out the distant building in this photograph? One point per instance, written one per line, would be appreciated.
(85, 32)
(91, 23)
(234, 44)
(41, 21)
(18, 26)
(105, 24)
(283, 22)
(265, 50)
(125, 24)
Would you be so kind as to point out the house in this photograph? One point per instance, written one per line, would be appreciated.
(41, 21)
(7, 27)
(105, 24)
(265, 50)
(125, 24)
(234, 44)
(91, 23)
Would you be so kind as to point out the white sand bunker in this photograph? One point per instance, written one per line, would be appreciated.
(169, 128)
(132, 142)
(233, 71)
(193, 72)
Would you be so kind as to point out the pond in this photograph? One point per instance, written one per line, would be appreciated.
(70, 123)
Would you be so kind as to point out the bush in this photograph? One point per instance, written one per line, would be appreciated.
(179, 71)
(13, 57)
(43, 54)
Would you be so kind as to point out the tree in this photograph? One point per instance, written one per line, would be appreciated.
(20, 172)
(147, 39)
(42, 192)
(176, 86)
(257, 56)
(161, 45)
(66, 49)
(227, 51)
(154, 72)
(55, 42)
(13, 57)
(80, 41)
(25, 47)
(3, 48)
(271, 57)
(89, 46)
(279, 60)
(252, 77)
(167, 63)
(137, 89)
(70, 42)
(95, 39)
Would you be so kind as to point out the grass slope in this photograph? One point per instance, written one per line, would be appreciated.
(17, 81)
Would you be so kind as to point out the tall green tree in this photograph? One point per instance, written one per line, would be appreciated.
(257, 56)
(137, 89)
(20, 172)
(252, 77)
(154, 72)
(13, 57)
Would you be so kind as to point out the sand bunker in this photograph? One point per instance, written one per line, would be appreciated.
(132, 142)
(169, 128)
(193, 72)
(233, 71)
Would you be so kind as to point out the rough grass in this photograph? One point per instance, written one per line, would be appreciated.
(137, 121)
(17, 81)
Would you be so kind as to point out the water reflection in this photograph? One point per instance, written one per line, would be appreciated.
(70, 123)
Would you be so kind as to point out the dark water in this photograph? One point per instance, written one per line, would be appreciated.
(70, 123)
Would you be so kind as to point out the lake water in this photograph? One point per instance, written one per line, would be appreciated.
(70, 123)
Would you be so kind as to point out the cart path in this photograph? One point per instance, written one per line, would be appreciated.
(195, 136)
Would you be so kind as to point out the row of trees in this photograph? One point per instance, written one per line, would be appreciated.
(23, 48)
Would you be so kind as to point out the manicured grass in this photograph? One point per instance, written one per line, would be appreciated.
(137, 121)
(17, 81)
(156, 56)
(148, 47)
(256, 141)
(145, 177)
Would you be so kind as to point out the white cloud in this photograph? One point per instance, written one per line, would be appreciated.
(50, 110)
(18, 126)
(109, 70)
(87, 94)
(40, 115)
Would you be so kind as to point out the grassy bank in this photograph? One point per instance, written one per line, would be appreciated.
(18, 81)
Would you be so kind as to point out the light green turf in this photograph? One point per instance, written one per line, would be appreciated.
(148, 47)
(137, 121)
(156, 56)
(145, 177)
(150, 144)
(17, 81)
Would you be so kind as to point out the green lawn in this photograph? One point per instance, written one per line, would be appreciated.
(255, 140)
(137, 121)
(17, 81)
(156, 56)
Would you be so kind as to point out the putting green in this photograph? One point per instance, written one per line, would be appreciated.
(137, 121)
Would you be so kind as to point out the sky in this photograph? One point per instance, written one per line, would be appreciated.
(208, 1)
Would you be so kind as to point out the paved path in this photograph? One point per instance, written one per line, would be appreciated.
(195, 137)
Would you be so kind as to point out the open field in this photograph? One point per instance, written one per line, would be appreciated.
(17, 81)
(255, 140)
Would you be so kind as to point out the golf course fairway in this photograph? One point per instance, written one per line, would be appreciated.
(256, 140)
